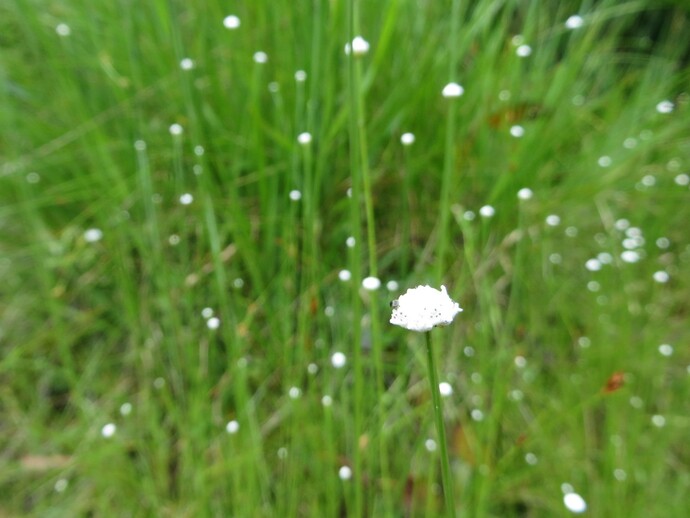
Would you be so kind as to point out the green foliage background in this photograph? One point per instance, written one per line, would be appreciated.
(537, 358)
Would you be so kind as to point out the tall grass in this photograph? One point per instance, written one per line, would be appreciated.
(569, 365)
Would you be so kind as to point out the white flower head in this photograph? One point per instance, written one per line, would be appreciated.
(422, 308)
(452, 90)
(358, 47)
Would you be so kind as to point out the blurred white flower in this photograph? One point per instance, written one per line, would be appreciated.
(487, 211)
(445, 388)
(407, 139)
(604, 161)
(93, 235)
(338, 360)
(62, 29)
(517, 131)
(525, 193)
(345, 473)
(575, 503)
(574, 22)
(452, 90)
(176, 130)
(187, 64)
(665, 106)
(304, 138)
(358, 47)
(523, 51)
(231, 22)
(422, 308)
(300, 76)
(260, 57)
(371, 283)
(213, 323)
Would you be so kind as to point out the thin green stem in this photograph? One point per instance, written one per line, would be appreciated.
(355, 267)
(449, 151)
(440, 430)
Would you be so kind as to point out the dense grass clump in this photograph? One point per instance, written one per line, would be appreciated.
(205, 211)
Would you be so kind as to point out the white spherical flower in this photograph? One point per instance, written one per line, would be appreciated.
(477, 414)
(604, 161)
(232, 427)
(553, 220)
(231, 22)
(574, 503)
(207, 313)
(630, 143)
(523, 51)
(294, 392)
(452, 90)
(300, 76)
(422, 308)
(517, 131)
(345, 473)
(304, 138)
(326, 400)
(487, 211)
(350, 242)
(574, 22)
(187, 64)
(61, 485)
(593, 265)
(661, 277)
(430, 445)
(658, 420)
(62, 29)
(392, 285)
(295, 195)
(186, 199)
(445, 388)
(108, 430)
(664, 107)
(621, 224)
(176, 130)
(630, 256)
(213, 323)
(517, 40)
(344, 275)
(666, 349)
(358, 47)
(260, 57)
(682, 179)
(605, 258)
(92, 235)
(371, 283)
(338, 360)
(525, 193)
(126, 408)
(407, 139)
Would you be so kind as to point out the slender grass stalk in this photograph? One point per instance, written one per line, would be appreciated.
(440, 429)
(357, 507)
(361, 153)
(449, 151)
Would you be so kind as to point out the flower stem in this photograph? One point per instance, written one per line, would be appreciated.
(440, 430)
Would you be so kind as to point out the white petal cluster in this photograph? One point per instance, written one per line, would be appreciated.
(422, 308)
